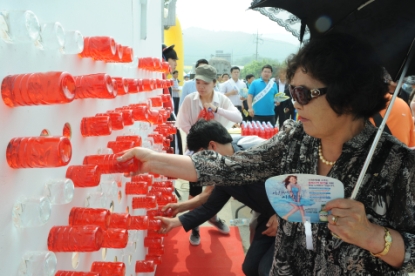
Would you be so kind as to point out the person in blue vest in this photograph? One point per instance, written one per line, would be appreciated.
(261, 95)
(213, 136)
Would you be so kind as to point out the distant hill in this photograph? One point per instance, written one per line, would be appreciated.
(201, 43)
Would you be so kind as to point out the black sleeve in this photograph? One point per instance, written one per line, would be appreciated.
(212, 206)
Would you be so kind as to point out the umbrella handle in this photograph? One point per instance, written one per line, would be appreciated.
(382, 125)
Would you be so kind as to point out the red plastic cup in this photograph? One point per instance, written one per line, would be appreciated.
(163, 190)
(143, 177)
(140, 112)
(81, 238)
(120, 146)
(159, 213)
(155, 234)
(144, 266)
(128, 54)
(156, 259)
(157, 138)
(109, 268)
(121, 85)
(96, 126)
(139, 223)
(157, 64)
(147, 85)
(120, 220)
(165, 199)
(127, 116)
(156, 251)
(165, 98)
(147, 202)
(39, 152)
(154, 224)
(154, 117)
(117, 122)
(108, 163)
(140, 86)
(164, 184)
(84, 175)
(132, 86)
(115, 238)
(119, 52)
(38, 89)
(75, 273)
(136, 139)
(95, 86)
(136, 188)
(169, 150)
(99, 48)
(90, 216)
(153, 242)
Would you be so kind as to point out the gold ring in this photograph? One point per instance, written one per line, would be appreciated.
(334, 235)
(334, 219)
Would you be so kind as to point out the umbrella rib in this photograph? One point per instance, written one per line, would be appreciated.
(365, 4)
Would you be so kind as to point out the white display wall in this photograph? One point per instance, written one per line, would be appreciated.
(118, 19)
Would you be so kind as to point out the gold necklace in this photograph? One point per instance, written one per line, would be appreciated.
(320, 154)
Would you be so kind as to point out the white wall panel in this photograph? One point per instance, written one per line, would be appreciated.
(119, 19)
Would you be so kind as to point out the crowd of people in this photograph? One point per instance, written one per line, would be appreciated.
(338, 111)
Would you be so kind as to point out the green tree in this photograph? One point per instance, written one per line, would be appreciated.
(255, 66)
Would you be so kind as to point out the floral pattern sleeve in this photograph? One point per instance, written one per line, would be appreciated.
(244, 167)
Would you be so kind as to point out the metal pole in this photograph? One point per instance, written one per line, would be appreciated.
(382, 125)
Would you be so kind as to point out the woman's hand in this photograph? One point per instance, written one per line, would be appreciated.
(209, 105)
(168, 224)
(272, 225)
(349, 222)
(142, 154)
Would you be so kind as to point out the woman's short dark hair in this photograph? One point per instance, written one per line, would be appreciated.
(350, 70)
(202, 132)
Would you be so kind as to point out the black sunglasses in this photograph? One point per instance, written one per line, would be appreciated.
(303, 95)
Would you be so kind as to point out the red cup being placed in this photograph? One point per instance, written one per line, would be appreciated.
(39, 152)
(90, 216)
(80, 238)
(84, 175)
(108, 163)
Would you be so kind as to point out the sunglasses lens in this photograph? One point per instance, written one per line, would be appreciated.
(300, 94)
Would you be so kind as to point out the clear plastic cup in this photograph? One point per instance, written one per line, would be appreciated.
(59, 191)
(31, 211)
(38, 263)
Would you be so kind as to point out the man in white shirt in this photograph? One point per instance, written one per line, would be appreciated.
(232, 87)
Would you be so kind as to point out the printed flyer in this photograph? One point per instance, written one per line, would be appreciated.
(301, 197)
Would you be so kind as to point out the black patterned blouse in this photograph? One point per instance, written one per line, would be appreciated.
(388, 193)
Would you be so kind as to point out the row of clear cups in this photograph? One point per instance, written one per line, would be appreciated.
(23, 26)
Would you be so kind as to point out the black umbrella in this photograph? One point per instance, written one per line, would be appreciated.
(389, 25)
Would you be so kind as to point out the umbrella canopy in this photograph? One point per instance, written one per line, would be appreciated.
(389, 25)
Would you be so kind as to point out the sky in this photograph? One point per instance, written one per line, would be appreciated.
(228, 15)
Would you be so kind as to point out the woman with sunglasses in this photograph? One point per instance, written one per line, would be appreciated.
(336, 83)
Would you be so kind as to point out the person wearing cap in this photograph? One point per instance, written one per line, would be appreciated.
(190, 86)
(224, 112)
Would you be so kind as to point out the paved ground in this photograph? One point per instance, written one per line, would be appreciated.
(227, 213)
